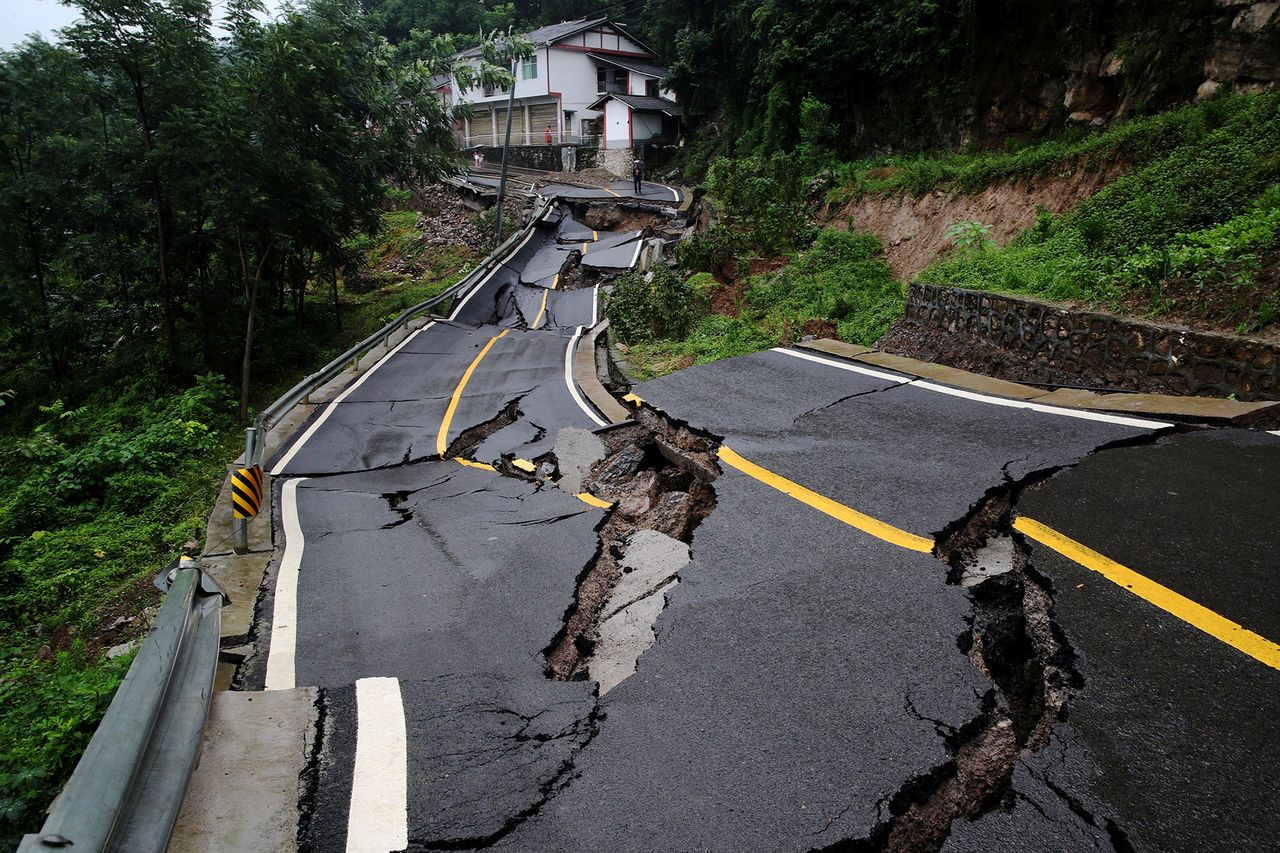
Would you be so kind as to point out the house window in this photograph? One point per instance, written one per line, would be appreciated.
(488, 91)
(529, 70)
(602, 80)
(651, 88)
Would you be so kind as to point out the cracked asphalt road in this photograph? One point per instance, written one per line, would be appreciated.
(811, 684)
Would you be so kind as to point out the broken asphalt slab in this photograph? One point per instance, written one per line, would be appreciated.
(908, 456)
(1173, 730)
(802, 677)
(430, 569)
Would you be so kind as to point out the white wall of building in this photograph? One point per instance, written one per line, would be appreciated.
(645, 126)
(573, 75)
(617, 124)
(610, 39)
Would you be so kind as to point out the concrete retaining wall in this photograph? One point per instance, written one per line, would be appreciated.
(1120, 351)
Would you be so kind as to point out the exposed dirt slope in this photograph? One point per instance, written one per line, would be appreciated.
(912, 228)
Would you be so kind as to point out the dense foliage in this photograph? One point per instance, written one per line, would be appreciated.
(162, 187)
(841, 281)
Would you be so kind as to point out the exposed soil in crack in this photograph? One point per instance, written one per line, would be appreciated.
(1014, 640)
(574, 275)
(657, 474)
(619, 216)
(309, 776)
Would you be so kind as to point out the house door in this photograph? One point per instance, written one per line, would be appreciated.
(542, 116)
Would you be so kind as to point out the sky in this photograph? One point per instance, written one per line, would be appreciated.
(20, 18)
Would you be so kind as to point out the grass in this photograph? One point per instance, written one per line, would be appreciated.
(1138, 141)
(1197, 205)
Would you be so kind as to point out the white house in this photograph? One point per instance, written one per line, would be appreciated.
(588, 81)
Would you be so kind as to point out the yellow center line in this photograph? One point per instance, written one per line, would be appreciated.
(555, 281)
(442, 438)
(1197, 615)
(588, 498)
(584, 248)
(470, 463)
(609, 191)
(542, 310)
(595, 235)
(524, 465)
(836, 510)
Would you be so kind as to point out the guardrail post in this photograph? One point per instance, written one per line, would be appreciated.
(240, 526)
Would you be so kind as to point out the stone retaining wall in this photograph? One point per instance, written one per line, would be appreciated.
(1121, 352)
(547, 158)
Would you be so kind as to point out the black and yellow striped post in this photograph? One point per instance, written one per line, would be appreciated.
(246, 492)
(246, 503)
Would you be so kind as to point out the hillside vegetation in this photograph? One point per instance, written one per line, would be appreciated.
(1187, 230)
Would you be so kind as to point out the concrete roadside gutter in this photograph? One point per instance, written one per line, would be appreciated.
(1197, 409)
(587, 376)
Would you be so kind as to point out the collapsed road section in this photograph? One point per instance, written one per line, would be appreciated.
(790, 604)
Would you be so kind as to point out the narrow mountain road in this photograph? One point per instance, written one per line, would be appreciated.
(800, 603)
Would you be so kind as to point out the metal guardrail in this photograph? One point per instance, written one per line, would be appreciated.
(126, 791)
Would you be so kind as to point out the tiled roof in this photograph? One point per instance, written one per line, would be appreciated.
(638, 65)
(642, 103)
(554, 32)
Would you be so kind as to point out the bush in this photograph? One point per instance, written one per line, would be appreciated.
(121, 482)
(763, 199)
(646, 306)
(706, 252)
(47, 716)
(841, 279)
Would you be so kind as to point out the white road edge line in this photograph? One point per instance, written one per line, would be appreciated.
(568, 380)
(1275, 432)
(379, 817)
(492, 273)
(852, 368)
(1080, 414)
(332, 405)
(674, 192)
(636, 256)
(595, 297)
(284, 612)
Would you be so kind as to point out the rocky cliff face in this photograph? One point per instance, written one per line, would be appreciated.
(1088, 64)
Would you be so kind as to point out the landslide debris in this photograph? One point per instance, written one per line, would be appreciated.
(657, 473)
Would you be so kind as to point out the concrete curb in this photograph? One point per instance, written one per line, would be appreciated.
(243, 794)
(1191, 408)
(586, 377)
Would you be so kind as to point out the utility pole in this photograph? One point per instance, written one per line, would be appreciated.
(506, 149)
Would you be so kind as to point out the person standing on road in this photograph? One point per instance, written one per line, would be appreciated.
(637, 175)
(548, 136)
